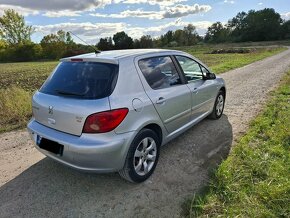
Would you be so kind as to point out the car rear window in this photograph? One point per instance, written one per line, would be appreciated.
(87, 80)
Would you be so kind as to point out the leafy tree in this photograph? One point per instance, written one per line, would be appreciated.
(13, 28)
(3, 44)
(262, 25)
(180, 37)
(146, 42)
(217, 33)
(237, 26)
(285, 30)
(105, 44)
(256, 25)
(190, 34)
(122, 40)
(166, 38)
(56, 45)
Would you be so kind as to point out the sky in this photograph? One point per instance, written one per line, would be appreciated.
(95, 19)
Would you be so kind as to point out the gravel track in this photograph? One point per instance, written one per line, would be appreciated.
(34, 186)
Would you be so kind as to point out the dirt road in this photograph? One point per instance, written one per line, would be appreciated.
(34, 186)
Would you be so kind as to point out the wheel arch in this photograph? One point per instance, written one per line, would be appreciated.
(224, 90)
(157, 129)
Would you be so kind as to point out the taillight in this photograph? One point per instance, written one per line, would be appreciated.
(104, 121)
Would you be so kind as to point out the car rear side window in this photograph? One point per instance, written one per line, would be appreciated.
(159, 72)
(87, 80)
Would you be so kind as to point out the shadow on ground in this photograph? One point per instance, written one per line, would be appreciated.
(49, 189)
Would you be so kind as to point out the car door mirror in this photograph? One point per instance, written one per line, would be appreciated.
(209, 76)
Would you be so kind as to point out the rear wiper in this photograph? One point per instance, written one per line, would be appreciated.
(62, 92)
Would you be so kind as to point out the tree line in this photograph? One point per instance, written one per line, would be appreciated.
(16, 44)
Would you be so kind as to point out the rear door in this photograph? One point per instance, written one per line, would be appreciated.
(167, 91)
(202, 91)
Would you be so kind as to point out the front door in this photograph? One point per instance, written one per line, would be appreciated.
(202, 91)
(169, 95)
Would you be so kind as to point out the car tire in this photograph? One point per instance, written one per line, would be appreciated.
(142, 157)
(219, 105)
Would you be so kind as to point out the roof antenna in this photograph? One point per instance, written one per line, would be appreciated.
(93, 47)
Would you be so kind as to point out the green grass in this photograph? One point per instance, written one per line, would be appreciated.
(17, 83)
(220, 63)
(28, 76)
(15, 108)
(254, 181)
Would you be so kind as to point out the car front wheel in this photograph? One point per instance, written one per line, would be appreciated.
(218, 108)
(142, 157)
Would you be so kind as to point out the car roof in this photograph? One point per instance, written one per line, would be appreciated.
(113, 55)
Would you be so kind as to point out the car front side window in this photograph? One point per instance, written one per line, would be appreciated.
(190, 68)
(159, 72)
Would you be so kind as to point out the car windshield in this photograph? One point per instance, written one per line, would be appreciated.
(88, 80)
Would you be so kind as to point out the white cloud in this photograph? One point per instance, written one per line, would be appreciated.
(59, 8)
(73, 8)
(229, 1)
(169, 12)
(151, 2)
(184, 10)
(53, 8)
(286, 16)
(22, 11)
(92, 32)
(57, 5)
(260, 3)
(128, 13)
(64, 13)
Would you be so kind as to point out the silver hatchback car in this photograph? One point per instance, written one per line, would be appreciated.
(112, 111)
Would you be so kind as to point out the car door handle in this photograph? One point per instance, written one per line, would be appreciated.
(161, 100)
(195, 90)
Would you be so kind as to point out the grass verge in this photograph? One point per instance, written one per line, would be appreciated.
(15, 108)
(220, 63)
(254, 181)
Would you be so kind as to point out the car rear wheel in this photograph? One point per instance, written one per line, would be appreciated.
(142, 157)
(218, 108)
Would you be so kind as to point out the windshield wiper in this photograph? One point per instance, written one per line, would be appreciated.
(62, 92)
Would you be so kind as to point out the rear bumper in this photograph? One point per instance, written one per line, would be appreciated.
(104, 152)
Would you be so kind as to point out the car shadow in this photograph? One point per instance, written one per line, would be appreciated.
(49, 189)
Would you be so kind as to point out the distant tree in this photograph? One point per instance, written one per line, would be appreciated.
(263, 25)
(259, 25)
(179, 38)
(56, 45)
(167, 38)
(146, 42)
(136, 43)
(285, 30)
(105, 44)
(3, 44)
(122, 41)
(217, 33)
(13, 28)
(237, 26)
(190, 34)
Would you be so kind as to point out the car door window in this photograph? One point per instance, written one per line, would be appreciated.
(204, 70)
(159, 72)
(191, 68)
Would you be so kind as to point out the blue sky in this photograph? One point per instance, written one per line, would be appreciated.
(92, 19)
